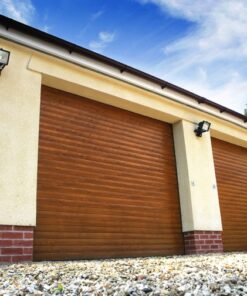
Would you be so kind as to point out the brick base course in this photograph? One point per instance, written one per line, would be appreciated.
(16, 243)
(201, 242)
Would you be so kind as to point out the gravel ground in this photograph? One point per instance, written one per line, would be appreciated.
(224, 274)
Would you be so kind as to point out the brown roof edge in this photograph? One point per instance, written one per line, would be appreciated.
(71, 47)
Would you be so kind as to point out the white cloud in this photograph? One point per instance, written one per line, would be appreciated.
(104, 38)
(93, 18)
(96, 15)
(212, 58)
(20, 10)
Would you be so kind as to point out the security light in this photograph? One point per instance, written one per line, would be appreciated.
(202, 127)
(4, 58)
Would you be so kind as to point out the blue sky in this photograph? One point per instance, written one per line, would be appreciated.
(198, 45)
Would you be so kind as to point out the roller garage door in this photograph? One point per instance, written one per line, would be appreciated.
(231, 173)
(107, 184)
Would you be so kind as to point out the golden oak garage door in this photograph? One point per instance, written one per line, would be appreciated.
(107, 184)
(231, 173)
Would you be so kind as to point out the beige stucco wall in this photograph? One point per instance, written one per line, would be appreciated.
(20, 85)
(199, 200)
(19, 122)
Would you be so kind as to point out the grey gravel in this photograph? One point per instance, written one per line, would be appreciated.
(201, 275)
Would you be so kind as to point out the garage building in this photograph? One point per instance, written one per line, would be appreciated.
(100, 160)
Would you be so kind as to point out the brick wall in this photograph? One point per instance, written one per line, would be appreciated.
(201, 242)
(16, 243)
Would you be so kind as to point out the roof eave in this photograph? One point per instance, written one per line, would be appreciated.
(71, 47)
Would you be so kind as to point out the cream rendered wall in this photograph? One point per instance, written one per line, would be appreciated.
(19, 123)
(199, 200)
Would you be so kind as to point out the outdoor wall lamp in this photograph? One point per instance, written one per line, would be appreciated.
(202, 127)
(4, 58)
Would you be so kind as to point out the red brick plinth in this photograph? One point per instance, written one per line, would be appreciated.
(16, 243)
(201, 242)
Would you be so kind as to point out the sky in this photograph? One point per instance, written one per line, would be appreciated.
(198, 45)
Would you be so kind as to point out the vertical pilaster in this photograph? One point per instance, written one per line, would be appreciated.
(199, 200)
(19, 134)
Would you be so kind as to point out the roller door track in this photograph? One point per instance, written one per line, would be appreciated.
(107, 184)
(231, 173)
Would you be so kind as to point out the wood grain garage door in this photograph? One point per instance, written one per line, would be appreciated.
(231, 173)
(107, 184)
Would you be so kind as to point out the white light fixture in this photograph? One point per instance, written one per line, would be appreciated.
(4, 58)
(202, 127)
